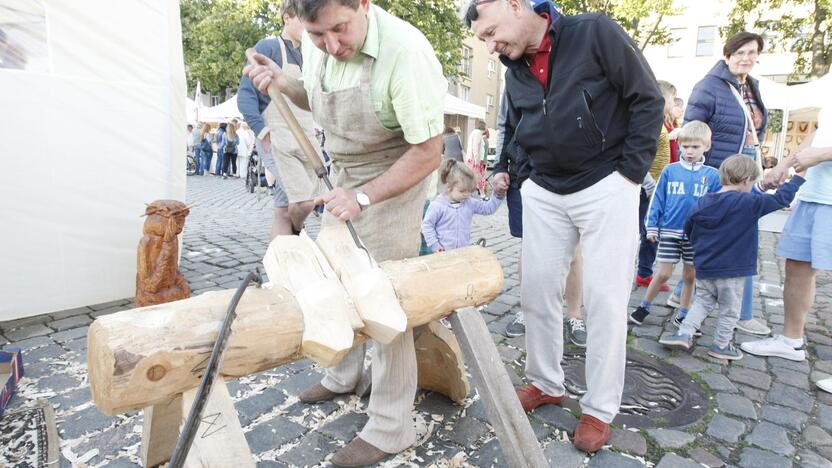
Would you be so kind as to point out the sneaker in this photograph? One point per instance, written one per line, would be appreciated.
(825, 385)
(531, 397)
(775, 347)
(729, 352)
(517, 327)
(679, 340)
(644, 282)
(678, 319)
(638, 315)
(576, 331)
(673, 301)
(753, 326)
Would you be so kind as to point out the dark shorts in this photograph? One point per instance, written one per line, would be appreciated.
(515, 210)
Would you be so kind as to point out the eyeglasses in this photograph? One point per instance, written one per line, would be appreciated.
(743, 54)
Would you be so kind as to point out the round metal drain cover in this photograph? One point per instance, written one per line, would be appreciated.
(656, 394)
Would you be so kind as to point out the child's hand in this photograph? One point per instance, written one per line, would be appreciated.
(440, 249)
(652, 238)
(500, 192)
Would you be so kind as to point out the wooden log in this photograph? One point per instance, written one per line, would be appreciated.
(368, 286)
(440, 364)
(219, 439)
(506, 416)
(292, 262)
(160, 429)
(145, 356)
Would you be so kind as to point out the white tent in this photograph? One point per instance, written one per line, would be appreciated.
(221, 112)
(781, 96)
(457, 106)
(94, 129)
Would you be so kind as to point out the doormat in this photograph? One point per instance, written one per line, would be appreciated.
(29, 437)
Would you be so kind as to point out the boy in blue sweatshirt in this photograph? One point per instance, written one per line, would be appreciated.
(680, 185)
(723, 229)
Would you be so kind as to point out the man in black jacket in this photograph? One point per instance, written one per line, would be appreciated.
(585, 108)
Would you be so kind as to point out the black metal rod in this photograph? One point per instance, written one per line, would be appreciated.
(189, 429)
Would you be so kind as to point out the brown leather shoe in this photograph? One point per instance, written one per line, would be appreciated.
(591, 434)
(317, 394)
(531, 397)
(358, 453)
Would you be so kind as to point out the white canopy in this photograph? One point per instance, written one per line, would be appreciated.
(221, 112)
(781, 96)
(455, 105)
(94, 128)
(228, 110)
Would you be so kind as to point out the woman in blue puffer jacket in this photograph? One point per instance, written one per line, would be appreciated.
(728, 100)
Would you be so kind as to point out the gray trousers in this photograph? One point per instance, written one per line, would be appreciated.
(603, 219)
(725, 293)
(390, 427)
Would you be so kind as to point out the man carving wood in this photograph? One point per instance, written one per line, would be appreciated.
(374, 84)
(158, 278)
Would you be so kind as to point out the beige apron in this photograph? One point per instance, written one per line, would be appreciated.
(297, 175)
(362, 149)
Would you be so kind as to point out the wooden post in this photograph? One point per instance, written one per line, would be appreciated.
(220, 440)
(439, 361)
(160, 430)
(506, 416)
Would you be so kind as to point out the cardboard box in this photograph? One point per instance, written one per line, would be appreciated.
(11, 370)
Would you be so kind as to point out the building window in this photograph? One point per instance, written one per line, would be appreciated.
(705, 38)
(216, 100)
(675, 49)
(489, 104)
(464, 92)
(465, 67)
(492, 68)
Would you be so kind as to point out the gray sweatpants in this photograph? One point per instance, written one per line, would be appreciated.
(710, 293)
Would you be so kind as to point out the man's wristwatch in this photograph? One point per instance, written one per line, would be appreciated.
(362, 199)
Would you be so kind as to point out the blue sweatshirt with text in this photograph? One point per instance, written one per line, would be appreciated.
(680, 185)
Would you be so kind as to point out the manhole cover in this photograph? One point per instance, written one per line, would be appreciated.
(656, 394)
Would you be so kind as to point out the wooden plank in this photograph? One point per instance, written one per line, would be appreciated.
(367, 284)
(220, 440)
(506, 416)
(293, 263)
(160, 429)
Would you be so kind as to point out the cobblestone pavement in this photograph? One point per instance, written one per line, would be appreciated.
(764, 412)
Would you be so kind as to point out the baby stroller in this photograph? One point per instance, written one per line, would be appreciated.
(256, 175)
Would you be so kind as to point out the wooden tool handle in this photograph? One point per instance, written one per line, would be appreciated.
(297, 131)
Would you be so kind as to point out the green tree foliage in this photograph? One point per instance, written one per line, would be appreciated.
(216, 33)
(439, 22)
(642, 19)
(800, 26)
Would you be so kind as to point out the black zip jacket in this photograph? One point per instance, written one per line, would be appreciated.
(603, 110)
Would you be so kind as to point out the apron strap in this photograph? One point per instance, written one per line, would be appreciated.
(283, 56)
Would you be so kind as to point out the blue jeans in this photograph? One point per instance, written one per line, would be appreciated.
(198, 159)
(220, 162)
(206, 161)
(646, 249)
(747, 311)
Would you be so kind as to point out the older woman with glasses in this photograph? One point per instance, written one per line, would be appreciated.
(728, 100)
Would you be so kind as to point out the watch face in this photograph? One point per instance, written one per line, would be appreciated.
(362, 199)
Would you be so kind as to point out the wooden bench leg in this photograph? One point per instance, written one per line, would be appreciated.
(160, 431)
(219, 440)
(506, 416)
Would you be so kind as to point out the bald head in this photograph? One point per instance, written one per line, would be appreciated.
(508, 27)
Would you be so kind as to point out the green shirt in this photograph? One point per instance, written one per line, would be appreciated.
(407, 86)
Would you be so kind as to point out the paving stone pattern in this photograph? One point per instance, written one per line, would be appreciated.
(765, 412)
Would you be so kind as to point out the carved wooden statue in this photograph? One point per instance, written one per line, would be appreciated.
(158, 279)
